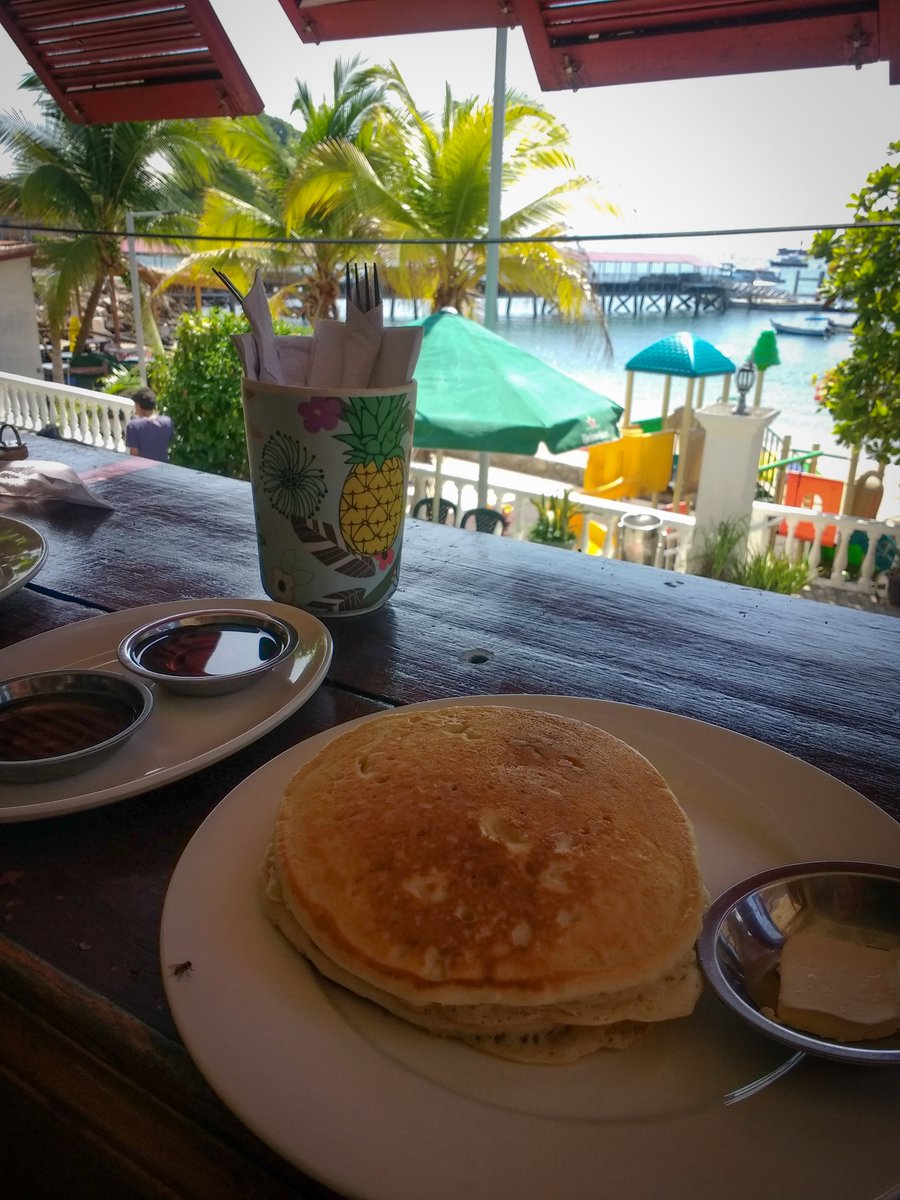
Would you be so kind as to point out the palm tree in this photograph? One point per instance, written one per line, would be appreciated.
(263, 210)
(433, 182)
(85, 178)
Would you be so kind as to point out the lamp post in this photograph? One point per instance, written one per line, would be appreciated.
(743, 379)
(136, 284)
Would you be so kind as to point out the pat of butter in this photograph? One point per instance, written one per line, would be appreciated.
(839, 989)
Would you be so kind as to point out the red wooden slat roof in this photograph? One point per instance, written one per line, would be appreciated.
(587, 43)
(131, 60)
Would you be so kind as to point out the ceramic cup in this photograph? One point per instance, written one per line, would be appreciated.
(329, 469)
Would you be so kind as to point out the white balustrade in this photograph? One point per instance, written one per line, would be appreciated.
(79, 414)
(768, 518)
(517, 496)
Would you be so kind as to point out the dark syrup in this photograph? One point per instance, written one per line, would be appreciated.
(38, 727)
(205, 651)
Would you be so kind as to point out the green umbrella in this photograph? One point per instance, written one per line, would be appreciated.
(476, 391)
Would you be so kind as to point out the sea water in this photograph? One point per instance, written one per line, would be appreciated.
(578, 349)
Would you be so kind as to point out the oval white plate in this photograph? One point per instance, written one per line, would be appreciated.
(380, 1110)
(22, 554)
(184, 733)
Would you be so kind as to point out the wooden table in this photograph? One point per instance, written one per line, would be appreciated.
(87, 1044)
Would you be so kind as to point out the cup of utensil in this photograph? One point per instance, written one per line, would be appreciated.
(329, 468)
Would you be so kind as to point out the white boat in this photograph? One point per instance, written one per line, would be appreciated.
(790, 257)
(814, 325)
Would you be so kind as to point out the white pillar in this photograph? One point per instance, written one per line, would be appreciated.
(729, 470)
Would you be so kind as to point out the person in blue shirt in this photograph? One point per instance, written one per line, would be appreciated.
(148, 433)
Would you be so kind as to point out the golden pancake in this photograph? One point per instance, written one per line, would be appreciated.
(504, 875)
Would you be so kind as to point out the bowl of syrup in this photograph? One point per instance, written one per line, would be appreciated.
(210, 652)
(57, 723)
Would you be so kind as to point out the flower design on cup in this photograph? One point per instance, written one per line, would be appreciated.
(320, 412)
(293, 484)
(385, 559)
(282, 586)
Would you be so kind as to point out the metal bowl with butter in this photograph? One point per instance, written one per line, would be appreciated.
(809, 954)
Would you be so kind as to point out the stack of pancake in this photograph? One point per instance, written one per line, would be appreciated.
(514, 878)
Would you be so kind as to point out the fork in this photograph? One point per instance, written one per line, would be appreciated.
(362, 297)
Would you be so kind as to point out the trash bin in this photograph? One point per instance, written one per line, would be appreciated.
(639, 537)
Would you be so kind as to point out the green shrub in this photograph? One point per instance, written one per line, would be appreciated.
(201, 391)
(773, 573)
(719, 557)
(553, 524)
(122, 381)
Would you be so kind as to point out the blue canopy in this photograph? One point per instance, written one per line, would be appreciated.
(681, 354)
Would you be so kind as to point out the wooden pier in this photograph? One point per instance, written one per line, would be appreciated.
(691, 293)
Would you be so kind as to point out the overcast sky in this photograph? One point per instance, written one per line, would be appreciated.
(786, 148)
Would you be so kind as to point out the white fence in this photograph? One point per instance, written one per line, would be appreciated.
(852, 569)
(77, 413)
(516, 495)
(837, 531)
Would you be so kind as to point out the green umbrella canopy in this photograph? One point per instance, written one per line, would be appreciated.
(681, 354)
(476, 391)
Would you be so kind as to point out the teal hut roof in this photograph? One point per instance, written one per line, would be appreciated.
(681, 354)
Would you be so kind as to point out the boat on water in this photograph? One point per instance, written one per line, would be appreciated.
(811, 325)
(790, 257)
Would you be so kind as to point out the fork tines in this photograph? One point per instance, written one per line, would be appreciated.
(364, 297)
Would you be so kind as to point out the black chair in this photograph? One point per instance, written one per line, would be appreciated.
(484, 520)
(446, 509)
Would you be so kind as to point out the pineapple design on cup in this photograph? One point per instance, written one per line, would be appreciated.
(371, 504)
(352, 533)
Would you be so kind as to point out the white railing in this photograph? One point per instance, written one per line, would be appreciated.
(784, 522)
(78, 414)
(516, 495)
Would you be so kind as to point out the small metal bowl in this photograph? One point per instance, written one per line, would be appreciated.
(745, 928)
(209, 652)
(58, 723)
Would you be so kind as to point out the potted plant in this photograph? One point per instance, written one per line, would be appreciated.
(553, 526)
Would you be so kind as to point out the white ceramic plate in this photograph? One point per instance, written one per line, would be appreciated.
(184, 733)
(380, 1110)
(22, 554)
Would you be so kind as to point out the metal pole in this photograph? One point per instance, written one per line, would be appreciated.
(136, 297)
(492, 264)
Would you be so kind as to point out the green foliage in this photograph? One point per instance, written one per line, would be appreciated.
(719, 556)
(431, 180)
(862, 392)
(773, 573)
(201, 392)
(86, 178)
(553, 524)
(121, 382)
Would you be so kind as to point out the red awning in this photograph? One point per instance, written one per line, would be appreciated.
(131, 60)
(588, 43)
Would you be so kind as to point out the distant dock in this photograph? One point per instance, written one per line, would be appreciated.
(638, 284)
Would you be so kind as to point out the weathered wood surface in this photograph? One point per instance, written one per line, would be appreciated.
(81, 895)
